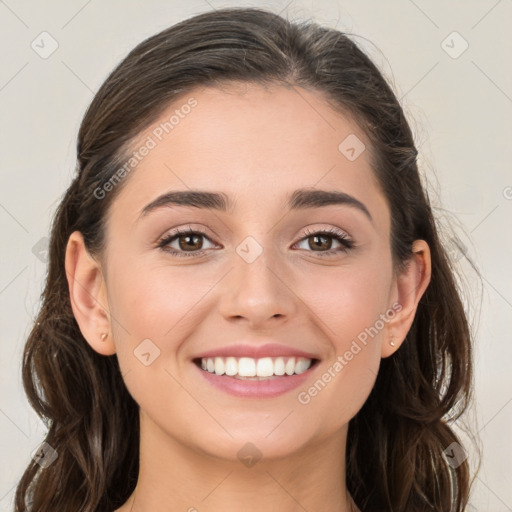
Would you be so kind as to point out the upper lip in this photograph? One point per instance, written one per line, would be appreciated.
(256, 351)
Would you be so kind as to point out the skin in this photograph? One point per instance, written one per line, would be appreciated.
(257, 145)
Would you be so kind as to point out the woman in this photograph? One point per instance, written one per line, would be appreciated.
(247, 306)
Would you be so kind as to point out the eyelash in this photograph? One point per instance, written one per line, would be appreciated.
(334, 233)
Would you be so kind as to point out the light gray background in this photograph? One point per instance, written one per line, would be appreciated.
(459, 108)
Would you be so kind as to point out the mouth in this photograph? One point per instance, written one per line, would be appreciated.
(255, 369)
(256, 377)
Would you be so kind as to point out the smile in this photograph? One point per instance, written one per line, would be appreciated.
(247, 377)
(250, 368)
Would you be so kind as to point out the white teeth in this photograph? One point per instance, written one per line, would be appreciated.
(265, 367)
(231, 366)
(245, 367)
(279, 366)
(290, 366)
(301, 366)
(219, 366)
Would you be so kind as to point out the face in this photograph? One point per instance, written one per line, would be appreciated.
(271, 276)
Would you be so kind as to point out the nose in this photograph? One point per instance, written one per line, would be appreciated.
(259, 292)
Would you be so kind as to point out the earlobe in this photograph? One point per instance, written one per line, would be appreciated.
(410, 286)
(87, 293)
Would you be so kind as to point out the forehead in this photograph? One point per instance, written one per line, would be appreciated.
(255, 143)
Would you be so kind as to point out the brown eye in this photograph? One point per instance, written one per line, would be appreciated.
(321, 242)
(190, 243)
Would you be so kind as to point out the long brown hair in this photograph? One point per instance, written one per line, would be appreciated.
(395, 443)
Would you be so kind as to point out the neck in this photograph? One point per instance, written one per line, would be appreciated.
(173, 476)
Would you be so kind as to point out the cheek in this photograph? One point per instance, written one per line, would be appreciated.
(153, 300)
(348, 300)
(156, 303)
(154, 309)
(350, 304)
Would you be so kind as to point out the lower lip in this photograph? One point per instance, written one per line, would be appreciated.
(256, 388)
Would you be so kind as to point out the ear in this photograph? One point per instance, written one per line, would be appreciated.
(410, 286)
(87, 291)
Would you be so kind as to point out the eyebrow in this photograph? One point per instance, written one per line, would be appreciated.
(300, 199)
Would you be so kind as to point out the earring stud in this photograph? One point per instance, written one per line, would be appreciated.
(392, 343)
(104, 336)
